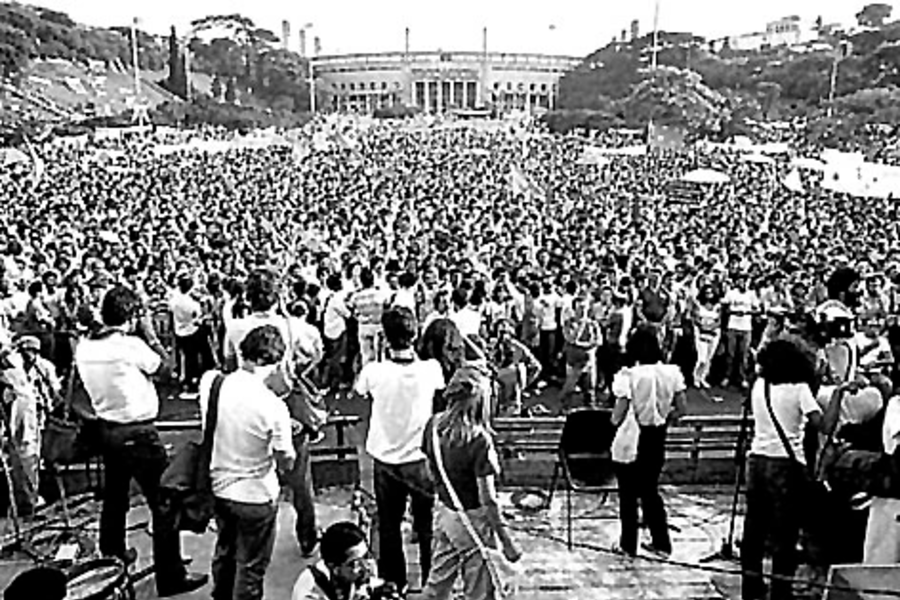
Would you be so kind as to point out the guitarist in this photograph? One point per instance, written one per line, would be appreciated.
(303, 353)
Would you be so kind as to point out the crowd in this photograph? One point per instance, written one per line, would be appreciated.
(408, 268)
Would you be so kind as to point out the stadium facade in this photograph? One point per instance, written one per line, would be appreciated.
(439, 81)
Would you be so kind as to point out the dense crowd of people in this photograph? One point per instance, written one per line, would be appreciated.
(408, 265)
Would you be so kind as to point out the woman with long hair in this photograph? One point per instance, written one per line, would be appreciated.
(652, 394)
(706, 317)
(443, 342)
(782, 404)
(468, 464)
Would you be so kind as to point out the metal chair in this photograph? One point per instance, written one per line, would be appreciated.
(585, 460)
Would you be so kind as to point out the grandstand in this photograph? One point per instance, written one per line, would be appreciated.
(51, 90)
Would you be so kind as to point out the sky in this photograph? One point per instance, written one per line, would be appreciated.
(572, 27)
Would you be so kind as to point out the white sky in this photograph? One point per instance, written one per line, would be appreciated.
(578, 26)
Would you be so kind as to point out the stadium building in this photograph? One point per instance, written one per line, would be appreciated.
(439, 81)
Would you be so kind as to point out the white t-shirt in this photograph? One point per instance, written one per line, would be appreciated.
(741, 306)
(252, 425)
(114, 370)
(651, 390)
(334, 319)
(303, 340)
(185, 313)
(890, 432)
(880, 348)
(548, 305)
(402, 399)
(467, 320)
(790, 403)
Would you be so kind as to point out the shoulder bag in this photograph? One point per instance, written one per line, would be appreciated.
(304, 400)
(186, 484)
(60, 438)
(502, 572)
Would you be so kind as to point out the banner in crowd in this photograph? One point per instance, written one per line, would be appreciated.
(521, 184)
(793, 182)
(593, 156)
(665, 137)
(849, 173)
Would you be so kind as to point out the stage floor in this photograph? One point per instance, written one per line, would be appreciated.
(549, 570)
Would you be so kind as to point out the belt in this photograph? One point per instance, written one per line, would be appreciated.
(116, 425)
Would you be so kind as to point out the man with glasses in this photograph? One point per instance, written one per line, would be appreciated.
(345, 571)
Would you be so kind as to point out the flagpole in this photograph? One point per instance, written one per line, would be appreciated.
(134, 58)
(655, 35)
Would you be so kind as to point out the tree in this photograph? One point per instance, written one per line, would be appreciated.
(874, 15)
(769, 93)
(177, 81)
(230, 90)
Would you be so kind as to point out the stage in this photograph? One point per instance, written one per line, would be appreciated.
(549, 570)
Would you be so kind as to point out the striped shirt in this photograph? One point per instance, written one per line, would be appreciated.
(368, 305)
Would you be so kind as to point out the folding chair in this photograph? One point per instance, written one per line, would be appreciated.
(585, 460)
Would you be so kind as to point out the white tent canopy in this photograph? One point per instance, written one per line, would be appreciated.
(12, 156)
(706, 176)
(812, 164)
(759, 159)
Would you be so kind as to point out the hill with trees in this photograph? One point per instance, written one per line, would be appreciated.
(244, 64)
(618, 82)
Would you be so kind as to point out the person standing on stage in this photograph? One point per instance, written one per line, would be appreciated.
(115, 367)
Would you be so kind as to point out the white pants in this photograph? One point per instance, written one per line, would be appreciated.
(706, 349)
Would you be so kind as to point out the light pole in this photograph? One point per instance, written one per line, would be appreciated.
(655, 48)
(134, 59)
(840, 53)
(310, 64)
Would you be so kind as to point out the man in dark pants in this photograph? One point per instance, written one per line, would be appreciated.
(302, 353)
(252, 442)
(402, 391)
(115, 366)
(640, 481)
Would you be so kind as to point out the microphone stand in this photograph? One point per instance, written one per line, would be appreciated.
(727, 551)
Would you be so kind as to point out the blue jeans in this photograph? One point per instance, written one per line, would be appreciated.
(737, 353)
(243, 549)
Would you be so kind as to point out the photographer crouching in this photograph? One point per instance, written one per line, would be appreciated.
(345, 571)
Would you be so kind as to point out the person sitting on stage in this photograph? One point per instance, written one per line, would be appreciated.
(345, 571)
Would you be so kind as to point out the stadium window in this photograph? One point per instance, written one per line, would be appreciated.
(496, 85)
(509, 85)
(384, 85)
(543, 87)
(352, 86)
(533, 87)
(372, 85)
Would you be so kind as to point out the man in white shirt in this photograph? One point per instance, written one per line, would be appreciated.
(402, 390)
(742, 303)
(186, 315)
(334, 332)
(115, 367)
(302, 354)
(251, 444)
(549, 305)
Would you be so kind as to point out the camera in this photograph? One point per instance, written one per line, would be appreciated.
(837, 328)
(384, 590)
